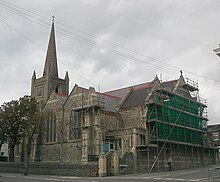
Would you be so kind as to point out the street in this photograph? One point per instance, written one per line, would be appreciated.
(189, 175)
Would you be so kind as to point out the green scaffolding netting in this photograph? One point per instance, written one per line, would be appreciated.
(177, 119)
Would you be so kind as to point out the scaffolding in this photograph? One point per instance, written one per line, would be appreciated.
(188, 128)
(177, 119)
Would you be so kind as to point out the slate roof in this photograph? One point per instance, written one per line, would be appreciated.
(137, 97)
(108, 102)
(121, 93)
(138, 94)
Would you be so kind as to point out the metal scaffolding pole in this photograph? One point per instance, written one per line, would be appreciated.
(164, 143)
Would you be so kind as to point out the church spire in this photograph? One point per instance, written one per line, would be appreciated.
(50, 67)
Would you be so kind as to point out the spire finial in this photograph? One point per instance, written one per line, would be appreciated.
(181, 72)
(53, 18)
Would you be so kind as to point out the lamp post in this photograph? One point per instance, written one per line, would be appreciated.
(217, 51)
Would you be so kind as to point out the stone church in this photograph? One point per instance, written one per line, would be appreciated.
(131, 129)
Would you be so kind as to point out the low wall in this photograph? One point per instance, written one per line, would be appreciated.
(52, 168)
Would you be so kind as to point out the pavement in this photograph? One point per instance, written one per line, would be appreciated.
(188, 175)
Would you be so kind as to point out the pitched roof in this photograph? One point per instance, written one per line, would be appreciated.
(108, 102)
(137, 97)
(139, 94)
(122, 92)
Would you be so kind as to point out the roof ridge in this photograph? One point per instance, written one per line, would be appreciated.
(83, 88)
(102, 93)
(129, 87)
(109, 95)
(142, 88)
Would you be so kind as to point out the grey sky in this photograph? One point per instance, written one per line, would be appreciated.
(179, 33)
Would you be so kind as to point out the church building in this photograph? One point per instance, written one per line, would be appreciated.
(131, 129)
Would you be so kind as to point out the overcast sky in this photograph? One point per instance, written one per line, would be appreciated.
(112, 44)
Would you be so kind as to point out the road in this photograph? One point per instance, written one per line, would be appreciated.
(190, 175)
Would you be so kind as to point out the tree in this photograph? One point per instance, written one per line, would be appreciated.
(32, 118)
(11, 117)
(19, 119)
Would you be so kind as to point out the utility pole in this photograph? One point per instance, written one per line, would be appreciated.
(217, 51)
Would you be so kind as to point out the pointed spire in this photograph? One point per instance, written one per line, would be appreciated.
(156, 79)
(34, 76)
(67, 76)
(50, 66)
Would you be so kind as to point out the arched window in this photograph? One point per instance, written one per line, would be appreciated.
(51, 128)
(56, 89)
(76, 119)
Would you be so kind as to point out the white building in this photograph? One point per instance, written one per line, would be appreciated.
(4, 150)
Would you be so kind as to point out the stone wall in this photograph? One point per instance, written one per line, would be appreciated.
(52, 168)
(109, 121)
(50, 152)
(64, 152)
(132, 118)
(71, 152)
